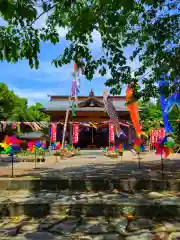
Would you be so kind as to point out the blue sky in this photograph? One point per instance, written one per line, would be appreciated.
(36, 85)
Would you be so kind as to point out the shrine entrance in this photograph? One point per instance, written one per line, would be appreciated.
(93, 138)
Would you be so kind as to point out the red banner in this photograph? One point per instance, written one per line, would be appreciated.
(53, 132)
(111, 133)
(75, 132)
(156, 134)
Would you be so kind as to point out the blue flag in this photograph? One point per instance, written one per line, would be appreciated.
(167, 126)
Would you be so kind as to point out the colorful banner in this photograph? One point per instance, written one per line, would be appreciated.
(53, 132)
(167, 124)
(75, 132)
(75, 89)
(156, 134)
(111, 133)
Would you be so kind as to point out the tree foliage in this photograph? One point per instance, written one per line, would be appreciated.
(151, 117)
(14, 108)
(150, 26)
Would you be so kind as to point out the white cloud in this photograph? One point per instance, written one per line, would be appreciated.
(46, 73)
(34, 96)
(62, 32)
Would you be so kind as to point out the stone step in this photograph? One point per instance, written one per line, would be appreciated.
(90, 184)
(56, 227)
(40, 204)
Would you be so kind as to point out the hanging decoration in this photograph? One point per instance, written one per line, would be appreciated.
(93, 125)
(111, 111)
(75, 89)
(164, 106)
(4, 124)
(111, 133)
(172, 101)
(85, 124)
(75, 133)
(133, 109)
(14, 126)
(73, 109)
(35, 126)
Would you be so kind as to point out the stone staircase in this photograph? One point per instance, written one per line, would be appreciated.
(99, 208)
(91, 153)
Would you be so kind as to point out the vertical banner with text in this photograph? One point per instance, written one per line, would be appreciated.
(53, 132)
(111, 133)
(156, 134)
(75, 132)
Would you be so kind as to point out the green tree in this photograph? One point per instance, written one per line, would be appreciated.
(150, 26)
(151, 116)
(37, 113)
(7, 99)
(14, 108)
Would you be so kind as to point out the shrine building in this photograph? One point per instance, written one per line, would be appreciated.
(89, 113)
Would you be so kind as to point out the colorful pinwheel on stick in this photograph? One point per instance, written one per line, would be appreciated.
(10, 144)
(6, 148)
(164, 147)
(56, 145)
(137, 144)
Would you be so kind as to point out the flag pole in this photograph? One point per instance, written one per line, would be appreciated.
(68, 110)
(65, 123)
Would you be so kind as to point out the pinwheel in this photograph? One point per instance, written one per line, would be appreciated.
(6, 148)
(56, 145)
(137, 148)
(164, 147)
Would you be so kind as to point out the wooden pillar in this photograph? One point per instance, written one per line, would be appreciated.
(65, 126)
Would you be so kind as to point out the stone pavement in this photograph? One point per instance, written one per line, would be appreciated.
(128, 219)
(91, 198)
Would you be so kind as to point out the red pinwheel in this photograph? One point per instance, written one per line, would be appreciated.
(163, 147)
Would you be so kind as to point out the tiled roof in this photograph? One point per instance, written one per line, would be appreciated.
(32, 135)
(57, 105)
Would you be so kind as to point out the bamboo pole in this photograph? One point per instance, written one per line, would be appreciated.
(162, 166)
(66, 120)
(65, 126)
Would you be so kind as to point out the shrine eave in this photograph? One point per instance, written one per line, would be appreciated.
(84, 109)
(89, 104)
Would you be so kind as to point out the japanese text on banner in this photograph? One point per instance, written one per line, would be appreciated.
(156, 134)
(111, 132)
(75, 132)
(53, 132)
